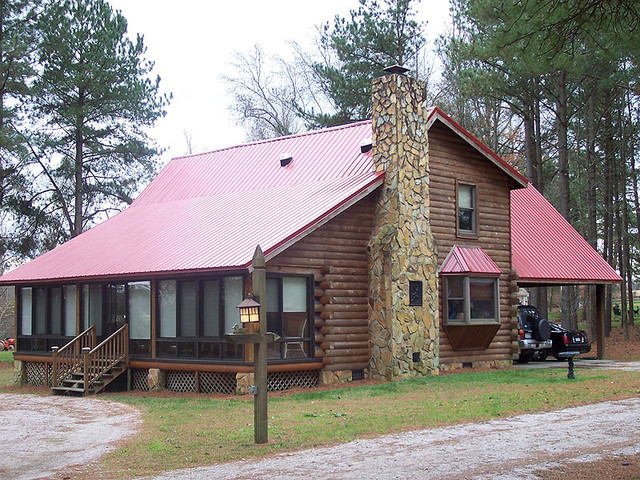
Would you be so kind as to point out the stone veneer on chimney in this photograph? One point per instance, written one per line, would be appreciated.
(403, 338)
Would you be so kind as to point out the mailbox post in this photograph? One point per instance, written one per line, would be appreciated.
(250, 311)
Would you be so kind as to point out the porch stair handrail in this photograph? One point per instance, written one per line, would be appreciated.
(67, 359)
(101, 359)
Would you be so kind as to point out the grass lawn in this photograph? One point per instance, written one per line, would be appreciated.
(6, 368)
(199, 430)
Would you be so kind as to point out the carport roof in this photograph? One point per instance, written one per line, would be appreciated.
(547, 250)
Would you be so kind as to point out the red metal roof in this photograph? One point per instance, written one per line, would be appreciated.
(208, 212)
(546, 249)
(469, 260)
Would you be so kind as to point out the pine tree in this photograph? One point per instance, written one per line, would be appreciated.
(95, 97)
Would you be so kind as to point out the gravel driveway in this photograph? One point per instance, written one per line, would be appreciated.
(490, 450)
(44, 434)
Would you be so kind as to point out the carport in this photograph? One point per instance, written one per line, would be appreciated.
(547, 251)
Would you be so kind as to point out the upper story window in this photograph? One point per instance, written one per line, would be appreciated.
(467, 209)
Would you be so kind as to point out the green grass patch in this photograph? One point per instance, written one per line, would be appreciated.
(182, 432)
(6, 357)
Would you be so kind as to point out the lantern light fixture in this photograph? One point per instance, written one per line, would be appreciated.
(249, 310)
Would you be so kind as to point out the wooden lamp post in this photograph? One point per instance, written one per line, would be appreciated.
(252, 314)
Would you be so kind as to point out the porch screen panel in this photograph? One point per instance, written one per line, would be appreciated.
(294, 306)
(211, 306)
(188, 308)
(140, 310)
(167, 294)
(40, 323)
(232, 297)
(70, 310)
(274, 323)
(26, 308)
(56, 311)
(93, 307)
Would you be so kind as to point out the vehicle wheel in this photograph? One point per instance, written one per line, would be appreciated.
(541, 355)
(542, 330)
(525, 357)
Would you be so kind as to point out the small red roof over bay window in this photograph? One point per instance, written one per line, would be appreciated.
(469, 261)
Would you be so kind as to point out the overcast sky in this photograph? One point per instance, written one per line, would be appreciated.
(192, 43)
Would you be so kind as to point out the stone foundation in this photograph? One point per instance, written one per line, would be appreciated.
(155, 379)
(243, 382)
(19, 373)
(342, 376)
(496, 364)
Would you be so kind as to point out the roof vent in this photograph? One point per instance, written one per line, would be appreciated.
(285, 159)
(366, 145)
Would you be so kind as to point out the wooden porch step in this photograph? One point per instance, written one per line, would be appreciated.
(70, 390)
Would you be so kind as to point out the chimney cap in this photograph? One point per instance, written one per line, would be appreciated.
(396, 69)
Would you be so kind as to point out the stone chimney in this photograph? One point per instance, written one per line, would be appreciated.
(403, 287)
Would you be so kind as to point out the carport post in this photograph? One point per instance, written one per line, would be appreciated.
(600, 289)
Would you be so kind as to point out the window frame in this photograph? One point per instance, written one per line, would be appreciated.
(226, 351)
(42, 342)
(474, 217)
(466, 297)
(309, 337)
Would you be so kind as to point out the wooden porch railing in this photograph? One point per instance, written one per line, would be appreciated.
(68, 358)
(101, 359)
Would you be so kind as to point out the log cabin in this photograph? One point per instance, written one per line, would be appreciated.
(388, 255)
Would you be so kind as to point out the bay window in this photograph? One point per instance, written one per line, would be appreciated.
(471, 299)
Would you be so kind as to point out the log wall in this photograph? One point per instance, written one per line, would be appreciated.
(451, 159)
(336, 254)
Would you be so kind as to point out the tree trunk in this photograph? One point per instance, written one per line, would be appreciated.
(626, 260)
(568, 292)
(79, 187)
(619, 250)
(592, 229)
(608, 214)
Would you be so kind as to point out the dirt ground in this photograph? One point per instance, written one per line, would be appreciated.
(616, 347)
(43, 434)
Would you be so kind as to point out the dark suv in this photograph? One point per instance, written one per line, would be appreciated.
(534, 332)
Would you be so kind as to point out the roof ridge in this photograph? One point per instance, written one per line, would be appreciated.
(277, 139)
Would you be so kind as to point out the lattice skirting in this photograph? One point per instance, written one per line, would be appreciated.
(139, 379)
(217, 382)
(214, 382)
(38, 373)
(284, 380)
